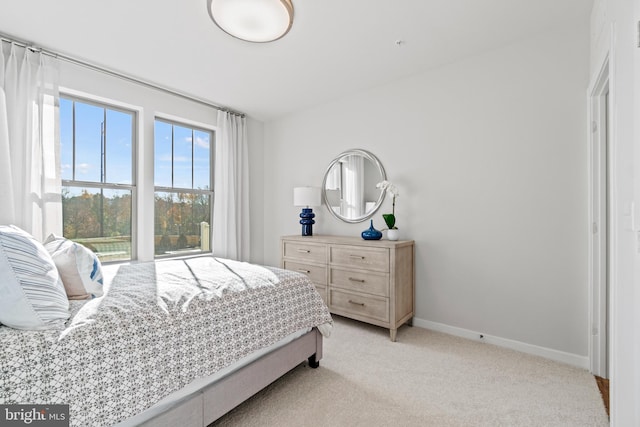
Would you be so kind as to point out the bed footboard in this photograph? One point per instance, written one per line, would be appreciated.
(228, 393)
(214, 400)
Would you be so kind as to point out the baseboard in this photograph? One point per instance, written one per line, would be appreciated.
(558, 356)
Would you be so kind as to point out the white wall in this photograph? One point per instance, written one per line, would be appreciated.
(255, 131)
(489, 155)
(614, 34)
(149, 102)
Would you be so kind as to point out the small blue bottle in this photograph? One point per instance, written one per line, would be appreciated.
(371, 233)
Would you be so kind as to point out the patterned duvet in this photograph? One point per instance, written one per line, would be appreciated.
(159, 326)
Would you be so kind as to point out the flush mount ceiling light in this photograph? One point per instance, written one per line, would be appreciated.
(257, 21)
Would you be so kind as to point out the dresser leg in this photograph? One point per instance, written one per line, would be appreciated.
(410, 322)
(392, 332)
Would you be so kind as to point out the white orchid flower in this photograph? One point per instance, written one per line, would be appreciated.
(390, 219)
(388, 187)
(383, 185)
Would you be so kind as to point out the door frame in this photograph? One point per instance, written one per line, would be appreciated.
(600, 221)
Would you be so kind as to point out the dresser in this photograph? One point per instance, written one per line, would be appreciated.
(367, 280)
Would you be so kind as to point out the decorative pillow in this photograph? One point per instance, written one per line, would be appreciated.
(32, 295)
(79, 267)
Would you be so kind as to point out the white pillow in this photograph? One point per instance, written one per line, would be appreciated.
(31, 293)
(79, 267)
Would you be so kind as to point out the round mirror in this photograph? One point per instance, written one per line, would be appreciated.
(349, 186)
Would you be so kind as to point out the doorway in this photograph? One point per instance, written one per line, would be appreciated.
(600, 219)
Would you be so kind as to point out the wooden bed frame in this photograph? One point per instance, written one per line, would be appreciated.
(212, 401)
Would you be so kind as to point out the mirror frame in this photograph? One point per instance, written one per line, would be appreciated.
(369, 156)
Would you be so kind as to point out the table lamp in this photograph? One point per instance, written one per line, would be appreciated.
(306, 196)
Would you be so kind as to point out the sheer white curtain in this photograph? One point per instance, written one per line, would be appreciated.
(29, 147)
(353, 186)
(231, 188)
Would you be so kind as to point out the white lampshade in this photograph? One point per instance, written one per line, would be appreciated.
(306, 196)
(253, 20)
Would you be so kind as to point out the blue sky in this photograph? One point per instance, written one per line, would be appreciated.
(184, 153)
(185, 158)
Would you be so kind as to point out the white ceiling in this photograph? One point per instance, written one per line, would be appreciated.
(335, 47)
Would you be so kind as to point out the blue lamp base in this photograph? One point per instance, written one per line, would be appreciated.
(307, 221)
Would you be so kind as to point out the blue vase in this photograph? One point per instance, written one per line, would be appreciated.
(371, 233)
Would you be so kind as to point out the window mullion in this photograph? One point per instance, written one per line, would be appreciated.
(193, 149)
(172, 154)
(103, 143)
(73, 139)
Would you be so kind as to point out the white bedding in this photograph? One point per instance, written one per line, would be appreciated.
(159, 327)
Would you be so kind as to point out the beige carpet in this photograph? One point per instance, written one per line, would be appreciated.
(424, 379)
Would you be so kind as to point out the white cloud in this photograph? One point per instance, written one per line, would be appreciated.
(176, 159)
(84, 168)
(202, 142)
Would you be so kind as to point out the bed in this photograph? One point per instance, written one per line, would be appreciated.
(170, 342)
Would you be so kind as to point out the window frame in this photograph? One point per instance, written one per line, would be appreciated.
(106, 105)
(193, 126)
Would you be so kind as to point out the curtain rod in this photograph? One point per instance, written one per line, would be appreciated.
(27, 45)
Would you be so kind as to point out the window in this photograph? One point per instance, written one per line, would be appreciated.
(183, 188)
(97, 143)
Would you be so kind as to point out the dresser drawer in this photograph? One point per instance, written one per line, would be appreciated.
(374, 259)
(317, 273)
(359, 281)
(363, 305)
(305, 251)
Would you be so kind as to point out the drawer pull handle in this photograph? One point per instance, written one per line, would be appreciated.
(356, 256)
(304, 251)
(301, 270)
(356, 303)
(353, 279)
